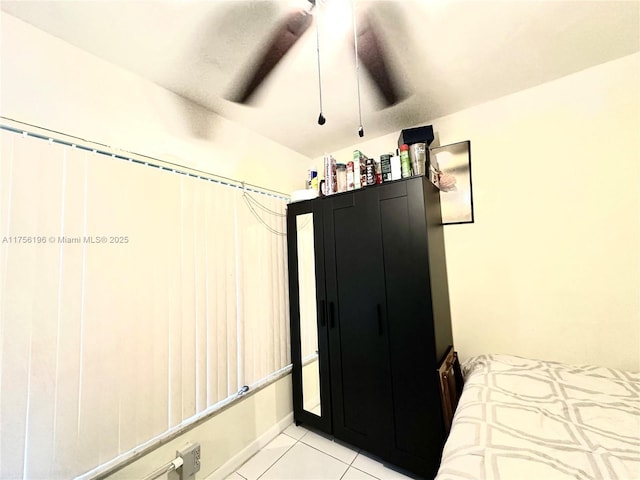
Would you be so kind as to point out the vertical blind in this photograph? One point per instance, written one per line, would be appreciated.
(133, 299)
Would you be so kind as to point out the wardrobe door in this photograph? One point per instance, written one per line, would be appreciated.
(418, 424)
(359, 354)
(309, 341)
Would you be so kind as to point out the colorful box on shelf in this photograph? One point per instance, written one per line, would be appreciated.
(359, 169)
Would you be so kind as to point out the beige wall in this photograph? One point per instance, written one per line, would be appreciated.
(51, 84)
(227, 439)
(551, 267)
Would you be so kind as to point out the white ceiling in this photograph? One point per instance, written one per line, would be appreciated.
(448, 55)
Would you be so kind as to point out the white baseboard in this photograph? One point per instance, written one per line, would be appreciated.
(254, 447)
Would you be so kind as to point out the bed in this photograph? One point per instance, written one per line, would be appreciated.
(521, 419)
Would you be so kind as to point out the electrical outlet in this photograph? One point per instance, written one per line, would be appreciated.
(191, 461)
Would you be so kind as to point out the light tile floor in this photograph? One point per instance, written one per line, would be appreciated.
(302, 454)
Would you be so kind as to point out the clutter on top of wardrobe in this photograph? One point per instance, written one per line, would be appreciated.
(409, 159)
(311, 187)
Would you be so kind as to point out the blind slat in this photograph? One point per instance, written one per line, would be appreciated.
(117, 343)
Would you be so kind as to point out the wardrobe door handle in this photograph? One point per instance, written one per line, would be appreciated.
(379, 308)
(332, 315)
(323, 314)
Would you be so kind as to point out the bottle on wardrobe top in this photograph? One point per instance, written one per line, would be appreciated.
(405, 161)
(396, 168)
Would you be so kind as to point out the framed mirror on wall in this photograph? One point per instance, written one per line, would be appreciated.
(456, 191)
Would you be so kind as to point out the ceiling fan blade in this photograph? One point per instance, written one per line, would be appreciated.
(285, 36)
(372, 54)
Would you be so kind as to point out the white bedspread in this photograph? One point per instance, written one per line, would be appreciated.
(521, 419)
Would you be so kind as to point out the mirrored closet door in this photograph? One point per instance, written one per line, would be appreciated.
(308, 316)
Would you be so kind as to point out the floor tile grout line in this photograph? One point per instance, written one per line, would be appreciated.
(349, 465)
(326, 453)
(357, 452)
(299, 440)
(360, 470)
(276, 460)
(296, 439)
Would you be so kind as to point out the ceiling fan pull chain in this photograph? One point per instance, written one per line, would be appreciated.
(355, 45)
(321, 119)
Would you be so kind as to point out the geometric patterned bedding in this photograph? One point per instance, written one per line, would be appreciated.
(522, 419)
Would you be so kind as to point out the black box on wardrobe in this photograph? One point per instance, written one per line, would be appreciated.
(416, 135)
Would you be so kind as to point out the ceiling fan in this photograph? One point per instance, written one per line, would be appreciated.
(371, 52)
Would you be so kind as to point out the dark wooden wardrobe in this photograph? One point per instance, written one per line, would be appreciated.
(370, 319)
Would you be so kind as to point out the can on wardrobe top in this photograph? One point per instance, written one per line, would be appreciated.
(385, 164)
(370, 172)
